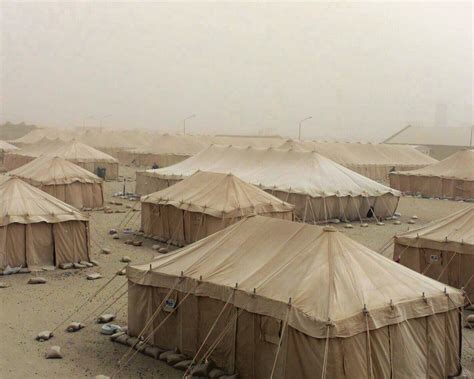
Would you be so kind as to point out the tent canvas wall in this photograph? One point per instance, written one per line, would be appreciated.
(443, 250)
(375, 161)
(203, 204)
(38, 230)
(451, 178)
(338, 309)
(319, 188)
(64, 180)
(5, 147)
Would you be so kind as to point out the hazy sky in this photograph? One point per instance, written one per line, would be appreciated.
(362, 70)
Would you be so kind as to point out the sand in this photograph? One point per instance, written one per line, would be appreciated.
(26, 310)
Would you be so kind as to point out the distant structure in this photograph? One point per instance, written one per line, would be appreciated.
(441, 142)
(9, 131)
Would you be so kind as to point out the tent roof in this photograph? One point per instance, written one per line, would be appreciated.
(77, 151)
(452, 233)
(277, 169)
(5, 146)
(328, 277)
(50, 170)
(218, 195)
(22, 203)
(436, 136)
(363, 154)
(460, 165)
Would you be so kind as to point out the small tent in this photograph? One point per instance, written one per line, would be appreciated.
(319, 188)
(267, 295)
(5, 147)
(443, 250)
(451, 178)
(203, 204)
(38, 230)
(89, 158)
(64, 180)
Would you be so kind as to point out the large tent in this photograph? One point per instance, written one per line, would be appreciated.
(38, 230)
(375, 161)
(451, 178)
(443, 249)
(306, 300)
(319, 188)
(203, 204)
(164, 150)
(64, 180)
(28, 153)
(5, 147)
(87, 157)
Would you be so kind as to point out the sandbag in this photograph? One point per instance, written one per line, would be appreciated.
(44, 336)
(11, 270)
(53, 352)
(66, 266)
(105, 251)
(165, 354)
(105, 318)
(4, 285)
(87, 264)
(172, 359)
(94, 262)
(94, 276)
(37, 280)
(126, 259)
(203, 369)
(74, 327)
(183, 365)
(114, 336)
(78, 265)
(122, 339)
(132, 341)
(153, 351)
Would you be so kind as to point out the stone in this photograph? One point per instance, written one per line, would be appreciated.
(66, 266)
(116, 237)
(105, 318)
(137, 243)
(113, 231)
(414, 217)
(128, 242)
(105, 251)
(121, 272)
(37, 280)
(397, 222)
(45, 335)
(4, 285)
(163, 250)
(348, 226)
(78, 265)
(156, 247)
(94, 262)
(380, 223)
(364, 225)
(411, 222)
(126, 259)
(74, 327)
(87, 264)
(94, 276)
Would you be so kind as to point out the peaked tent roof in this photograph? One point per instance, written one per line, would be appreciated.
(327, 276)
(277, 169)
(77, 151)
(173, 144)
(460, 165)
(363, 153)
(218, 195)
(454, 233)
(437, 136)
(51, 170)
(5, 146)
(22, 203)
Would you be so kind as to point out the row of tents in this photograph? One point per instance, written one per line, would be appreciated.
(146, 149)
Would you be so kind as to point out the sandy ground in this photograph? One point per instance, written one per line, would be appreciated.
(25, 310)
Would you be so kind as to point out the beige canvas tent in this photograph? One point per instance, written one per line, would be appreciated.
(451, 178)
(319, 188)
(336, 308)
(375, 161)
(203, 204)
(5, 147)
(64, 180)
(87, 157)
(38, 230)
(443, 249)
(28, 153)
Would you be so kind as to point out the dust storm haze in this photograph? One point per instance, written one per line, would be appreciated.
(361, 70)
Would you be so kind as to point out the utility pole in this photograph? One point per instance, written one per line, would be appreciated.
(299, 129)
